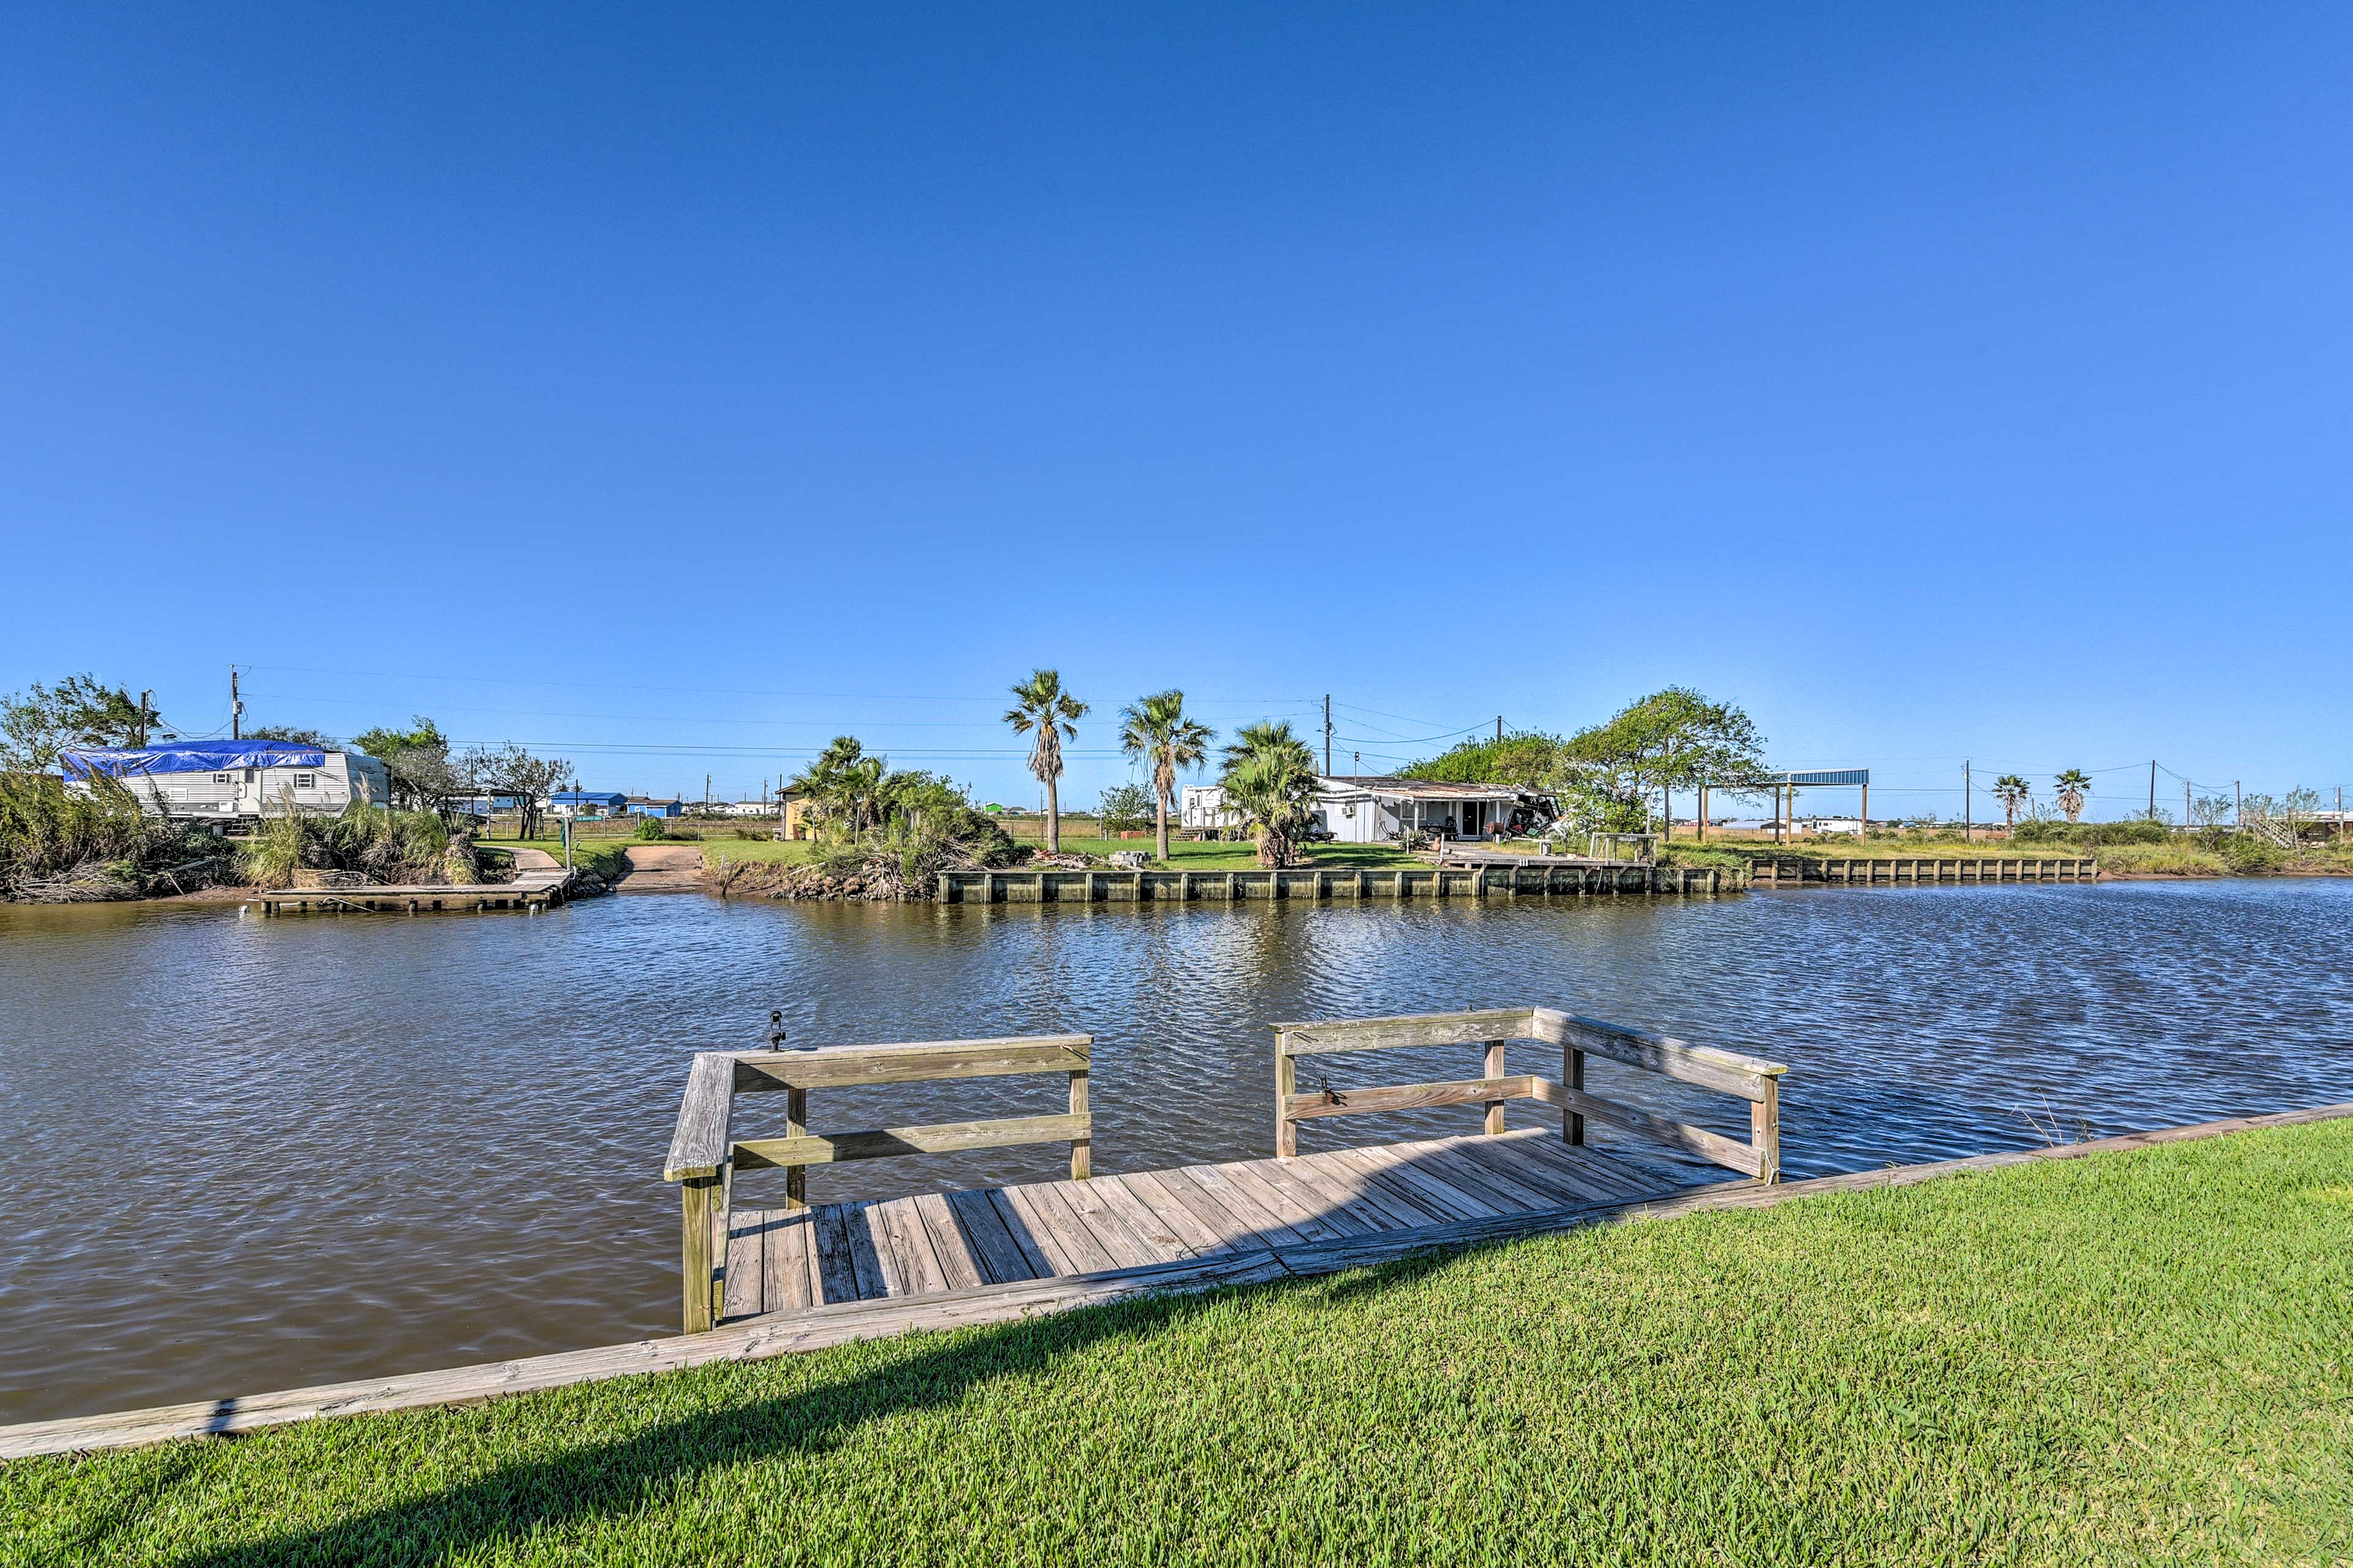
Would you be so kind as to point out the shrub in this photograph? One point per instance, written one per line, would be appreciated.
(67, 844)
(651, 830)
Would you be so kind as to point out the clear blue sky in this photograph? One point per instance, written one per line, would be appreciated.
(675, 391)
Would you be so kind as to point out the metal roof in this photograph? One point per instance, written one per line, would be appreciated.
(1427, 789)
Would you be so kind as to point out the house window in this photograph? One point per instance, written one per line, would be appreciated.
(306, 781)
(220, 778)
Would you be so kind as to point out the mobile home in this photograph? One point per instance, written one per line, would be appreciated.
(1377, 810)
(232, 781)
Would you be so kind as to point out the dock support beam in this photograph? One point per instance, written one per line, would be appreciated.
(698, 1196)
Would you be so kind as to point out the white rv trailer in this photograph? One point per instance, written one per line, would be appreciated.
(235, 781)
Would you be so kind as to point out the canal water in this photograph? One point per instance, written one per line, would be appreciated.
(242, 1155)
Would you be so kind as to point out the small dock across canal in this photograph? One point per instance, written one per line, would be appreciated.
(532, 890)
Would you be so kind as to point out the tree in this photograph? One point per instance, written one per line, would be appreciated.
(1043, 709)
(417, 759)
(1674, 739)
(80, 712)
(511, 770)
(2072, 786)
(2209, 812)
(1123, 806)
(291, 735)
(1158, 730)
(2011, 791)
(1527, 761)
(1270, 781)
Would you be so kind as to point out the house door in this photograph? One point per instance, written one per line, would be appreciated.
(1474, 820)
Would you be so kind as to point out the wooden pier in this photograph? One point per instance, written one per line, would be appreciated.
(532, 890)
(1791, 870)
(742, 1264)
(1502, 876)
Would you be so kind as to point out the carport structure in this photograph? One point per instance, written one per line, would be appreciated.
(1785, 787)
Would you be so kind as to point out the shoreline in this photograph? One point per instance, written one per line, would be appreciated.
(821, 1327)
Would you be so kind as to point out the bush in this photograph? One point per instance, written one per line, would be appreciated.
(60, 845)
(651, 830)
(375, 842)
(2091, 835)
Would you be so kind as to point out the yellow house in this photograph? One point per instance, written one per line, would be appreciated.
(797, 815)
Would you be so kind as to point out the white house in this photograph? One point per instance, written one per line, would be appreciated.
(226, 781)
(1376, 810)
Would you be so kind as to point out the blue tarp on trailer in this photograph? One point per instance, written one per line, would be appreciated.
(190, 757)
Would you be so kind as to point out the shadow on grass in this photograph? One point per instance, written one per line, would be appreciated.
(512, 1503)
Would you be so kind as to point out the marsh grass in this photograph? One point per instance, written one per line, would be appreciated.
(67, 846)
(375, 842)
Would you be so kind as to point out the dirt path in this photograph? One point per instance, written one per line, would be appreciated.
(663, 868)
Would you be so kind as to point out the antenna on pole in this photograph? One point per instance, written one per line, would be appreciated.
(1327, 735)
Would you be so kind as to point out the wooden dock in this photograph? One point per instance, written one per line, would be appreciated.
(744, 1263)
(1792, 870)
(532, 890)
(782, 1260)
(1502, 876)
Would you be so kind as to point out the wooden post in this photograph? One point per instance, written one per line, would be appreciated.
(696, 1194)
(1496, 1070)
(1286, 1078)
(796, 1125)
(1572, 1072)
(1703, 811)
(1082, 1149)
(1765, 1131)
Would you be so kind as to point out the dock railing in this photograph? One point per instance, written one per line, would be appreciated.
(1751, 1078)
(704, 1155)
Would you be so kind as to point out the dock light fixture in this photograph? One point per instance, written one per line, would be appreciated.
(776, 1029)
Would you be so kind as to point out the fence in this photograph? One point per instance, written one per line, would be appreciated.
(1748, 1077)
(704, 1155)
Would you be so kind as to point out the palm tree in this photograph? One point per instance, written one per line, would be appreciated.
(1158, 731)
(2073, 786)
(1042, 707)
(2011, 791)
(1270, 780)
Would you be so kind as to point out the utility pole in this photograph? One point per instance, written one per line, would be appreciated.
(2185, 804)
(1702, 824)
(147, 715)
(2235, 805)
(2152, 789)
(1499, 727)
(235, 707)
(1357, 762)
(1327, 735)
(1968, 828)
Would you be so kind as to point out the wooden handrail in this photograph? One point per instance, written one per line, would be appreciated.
(1752, 1078)
(704, 1155)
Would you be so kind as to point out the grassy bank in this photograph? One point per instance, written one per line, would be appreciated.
(2138, 1357)
(2125, 849)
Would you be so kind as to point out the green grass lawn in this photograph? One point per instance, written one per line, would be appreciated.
(2129, 1358)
